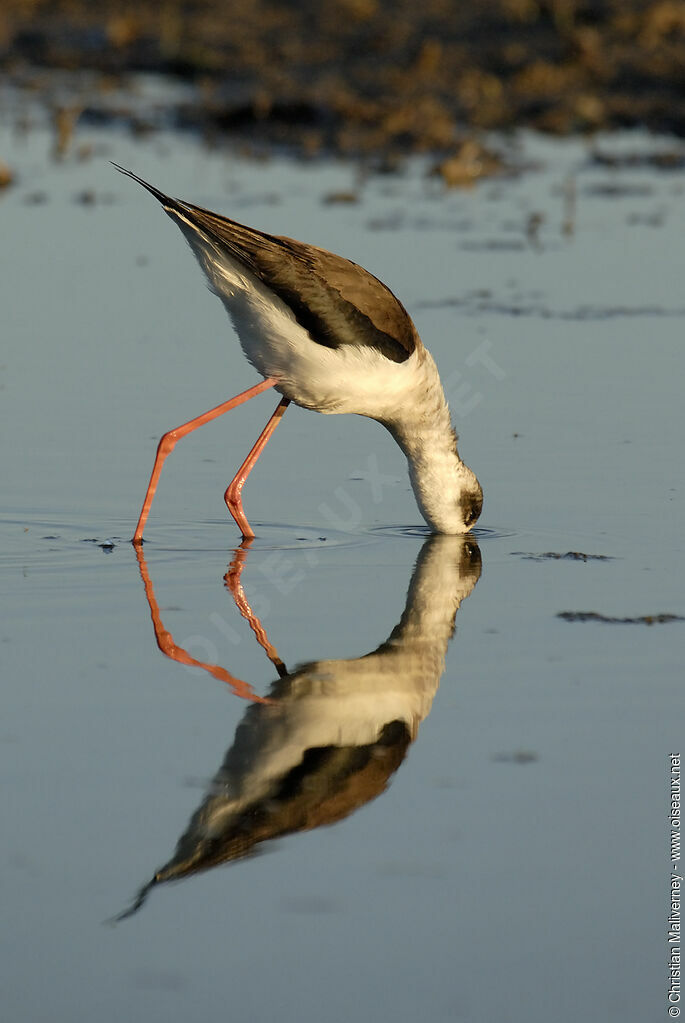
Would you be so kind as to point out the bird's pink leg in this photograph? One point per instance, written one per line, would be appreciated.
(232, 497)
(169, 440)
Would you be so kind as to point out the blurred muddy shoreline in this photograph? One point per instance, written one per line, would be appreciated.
(355, 77)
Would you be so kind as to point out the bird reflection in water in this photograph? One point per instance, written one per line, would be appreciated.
(330, 734)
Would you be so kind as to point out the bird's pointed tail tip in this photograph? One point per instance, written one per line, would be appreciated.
(165, 199)
(137, 903)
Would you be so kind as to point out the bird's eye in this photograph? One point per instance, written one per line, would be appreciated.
(472, 509)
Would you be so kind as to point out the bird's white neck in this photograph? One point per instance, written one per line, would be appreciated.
(439, 478)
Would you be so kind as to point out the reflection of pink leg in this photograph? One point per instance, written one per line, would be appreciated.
(232, 580)
(168, 443)
(165, 642)
(232, 497)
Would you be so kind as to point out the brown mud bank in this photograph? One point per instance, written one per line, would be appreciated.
(362, 77)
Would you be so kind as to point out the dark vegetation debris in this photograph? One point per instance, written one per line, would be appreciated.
(593, 616)
(569, 556)
(361, 77)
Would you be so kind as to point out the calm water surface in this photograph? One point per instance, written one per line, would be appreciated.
(498, 799)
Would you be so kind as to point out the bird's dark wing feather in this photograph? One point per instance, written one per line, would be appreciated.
(336, 301)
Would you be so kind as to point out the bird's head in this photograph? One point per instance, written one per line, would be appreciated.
(451, 498)
(471, 501)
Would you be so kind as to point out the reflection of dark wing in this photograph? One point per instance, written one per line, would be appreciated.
(336, 301)
(327, 785)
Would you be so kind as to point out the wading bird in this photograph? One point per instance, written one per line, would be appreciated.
(329, 336)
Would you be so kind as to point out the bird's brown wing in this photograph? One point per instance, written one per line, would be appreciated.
(338, 302)
(335, 300)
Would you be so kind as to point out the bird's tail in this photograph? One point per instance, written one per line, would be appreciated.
(166, 200)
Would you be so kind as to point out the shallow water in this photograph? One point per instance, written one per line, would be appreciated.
(516, 866)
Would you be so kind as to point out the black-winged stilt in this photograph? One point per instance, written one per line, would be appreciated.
(329, 336)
